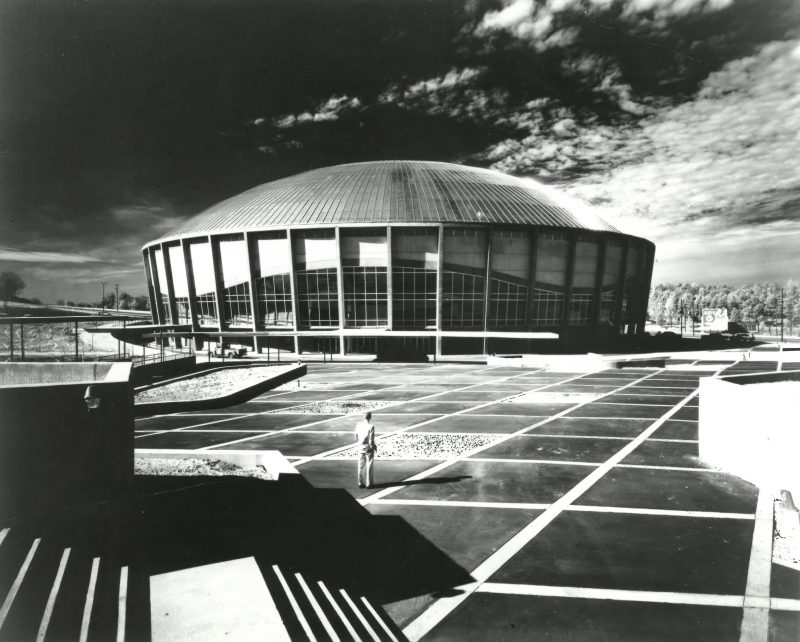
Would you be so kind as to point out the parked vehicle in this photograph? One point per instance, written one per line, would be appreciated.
(229, 352)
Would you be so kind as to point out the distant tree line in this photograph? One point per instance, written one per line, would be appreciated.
(109, 302)
(757, 305)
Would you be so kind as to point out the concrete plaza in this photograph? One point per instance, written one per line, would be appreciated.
(586, 514)
(582, 520)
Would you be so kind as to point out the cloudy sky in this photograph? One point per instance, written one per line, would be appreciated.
(679, 120)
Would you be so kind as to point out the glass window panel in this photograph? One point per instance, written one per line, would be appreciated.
(366, 248)
(274, 256)
(613, 263)
(551, 260)
(547, 307)
(511, 253)
(316, 250)
(416, 247)
(585, 264)
(318, 303)
(180, 283)
(364, 289)
(580, 309)
(203, 271)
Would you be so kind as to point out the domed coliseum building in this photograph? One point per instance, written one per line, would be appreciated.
(398, 255)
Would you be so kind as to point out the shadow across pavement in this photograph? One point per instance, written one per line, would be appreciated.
(169, 524)
(426, 480)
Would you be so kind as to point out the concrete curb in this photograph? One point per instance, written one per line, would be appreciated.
(240, 396)
(272, 460)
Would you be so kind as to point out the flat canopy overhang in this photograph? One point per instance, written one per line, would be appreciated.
(357, 333)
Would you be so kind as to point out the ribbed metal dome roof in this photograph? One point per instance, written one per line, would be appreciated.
(393, 192)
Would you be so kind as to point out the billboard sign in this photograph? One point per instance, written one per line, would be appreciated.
(714, 320)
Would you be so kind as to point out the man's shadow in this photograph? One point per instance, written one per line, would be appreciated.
(426, 480)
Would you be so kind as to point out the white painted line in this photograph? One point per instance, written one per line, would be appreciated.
(458, 503)
(295, 606)
(422, 423)
(502, 438)
(12, 593)
(207, 423)
(755, 619)
(317, 608)
(675, 441)
(380, 620)
(339, 612)
(686, 469)
(440, 609)
(659, 512)
(638, 405)
(592, 437)
(89, 604)
(259, 435)
(122, 603)
(656, 597)
(784, 604)
(3, 534)
(51, 599)
(360, 616)
(554, 462)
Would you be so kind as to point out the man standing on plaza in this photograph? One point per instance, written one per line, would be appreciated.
(365, 442)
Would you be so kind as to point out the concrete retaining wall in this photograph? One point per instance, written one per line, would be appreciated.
(240, 396)
(751, 429)
(143, 375)
(54, 452)
(272, 460)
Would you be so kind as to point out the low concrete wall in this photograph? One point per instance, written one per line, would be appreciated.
(143, 375)
(272, 460)
(240, 396)
(749, 427)
(54, 452)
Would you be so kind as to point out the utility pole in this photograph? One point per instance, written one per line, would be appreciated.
(781, 315)
(103, 299)
(116, 295)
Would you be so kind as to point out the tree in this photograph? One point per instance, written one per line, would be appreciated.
(141, 302)
(10, 286)
(126, 301)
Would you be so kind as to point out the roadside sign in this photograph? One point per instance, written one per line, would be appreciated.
(714, 320)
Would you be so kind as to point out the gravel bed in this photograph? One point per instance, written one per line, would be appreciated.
(331, 408)
(419, 445)
(205, 386)
(195, 467)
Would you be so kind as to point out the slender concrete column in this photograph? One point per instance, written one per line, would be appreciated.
(295, 297)
(623, 268)
(598, 283)
(389, 291)
(158, 316)
(534, 240)
(150, 288)
(173, 306)
(219, 288)
(439, 283)
(646, 284)
(487, 288)
(251, 270)
(340, 286)
(189, 266)
(635, 303)
(571, 257)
